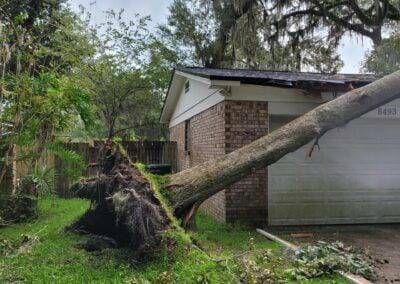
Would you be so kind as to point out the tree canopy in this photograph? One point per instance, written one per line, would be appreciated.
(62, 76)
(300, 17)
(385, 58)
(38, 98)
(234, 34)
(279, 35)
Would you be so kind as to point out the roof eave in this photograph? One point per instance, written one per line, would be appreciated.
(170, 98)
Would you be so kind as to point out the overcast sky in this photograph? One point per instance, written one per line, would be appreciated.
(352, 50)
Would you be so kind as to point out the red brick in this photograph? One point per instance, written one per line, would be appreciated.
(222, 129)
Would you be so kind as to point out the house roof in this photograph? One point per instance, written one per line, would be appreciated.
(217, 78)
(287, 79)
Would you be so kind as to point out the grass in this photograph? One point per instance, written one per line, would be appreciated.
(42, 252)
(53, 258)
(218, 238)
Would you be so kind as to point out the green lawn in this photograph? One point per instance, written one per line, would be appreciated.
(42, 252)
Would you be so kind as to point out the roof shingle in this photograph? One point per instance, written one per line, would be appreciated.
(278, 77)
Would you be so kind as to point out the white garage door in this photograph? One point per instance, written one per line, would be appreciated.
(353, 178)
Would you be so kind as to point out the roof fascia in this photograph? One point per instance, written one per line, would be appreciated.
(218, 84)
(172, 97)
(203, 80)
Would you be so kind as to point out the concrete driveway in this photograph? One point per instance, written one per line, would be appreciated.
(380, 242)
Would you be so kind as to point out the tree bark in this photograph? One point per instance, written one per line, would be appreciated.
(189, 187)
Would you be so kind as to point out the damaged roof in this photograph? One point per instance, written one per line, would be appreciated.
(313, 83)
(288, 79)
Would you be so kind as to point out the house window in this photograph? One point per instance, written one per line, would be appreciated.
(187, 86)
(187, 137)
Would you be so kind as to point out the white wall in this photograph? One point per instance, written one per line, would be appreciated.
(198, 99)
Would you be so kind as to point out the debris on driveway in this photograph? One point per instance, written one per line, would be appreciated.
(379, 242)
(324, 258)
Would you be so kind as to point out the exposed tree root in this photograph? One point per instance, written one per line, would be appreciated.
(124, 206)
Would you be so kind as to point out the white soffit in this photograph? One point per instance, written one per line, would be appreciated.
(194, 77)
(178, 80)
(218, 84)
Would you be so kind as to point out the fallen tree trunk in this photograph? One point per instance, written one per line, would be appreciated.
(127, 209)
(191, 187)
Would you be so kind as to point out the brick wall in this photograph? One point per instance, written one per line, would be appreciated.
(177, 134)
(219, 130)
(246, 201)
(206, 142)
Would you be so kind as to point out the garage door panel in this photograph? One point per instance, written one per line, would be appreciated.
(283, 183)
(298, 184)
(354, 196)
(291, 197)
(336, 196)
(333, 169)
(391, 196)
(391, 209)
(351, 208)
(306, 211)
(354, 178)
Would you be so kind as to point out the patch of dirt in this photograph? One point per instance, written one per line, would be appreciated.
(380, 242)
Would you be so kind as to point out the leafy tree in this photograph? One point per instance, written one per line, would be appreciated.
(296, 18)
(38, 96)
(161, 59)
(385, 58)
(204, 29)
(127, 78)
(216, 33)
(122, 99)
(272, 34)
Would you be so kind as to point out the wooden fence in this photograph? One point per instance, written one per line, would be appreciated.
(7, 184)
(146, 152)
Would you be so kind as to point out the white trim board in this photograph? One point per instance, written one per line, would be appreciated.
(194, 77)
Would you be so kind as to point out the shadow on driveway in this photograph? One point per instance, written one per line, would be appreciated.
(381, 242)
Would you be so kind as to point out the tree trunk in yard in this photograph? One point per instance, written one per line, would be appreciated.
(125, 207)
(193, 186)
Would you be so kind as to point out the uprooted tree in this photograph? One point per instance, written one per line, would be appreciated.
(126, 208)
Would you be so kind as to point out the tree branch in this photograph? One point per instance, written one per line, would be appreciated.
(360, 13)
(393, 12)
(359, 28)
